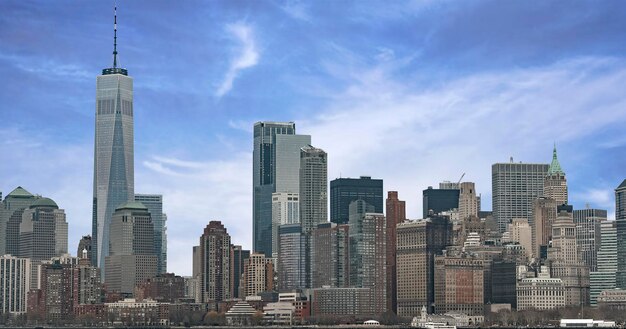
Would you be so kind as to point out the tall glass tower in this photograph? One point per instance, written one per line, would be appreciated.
(113, 176)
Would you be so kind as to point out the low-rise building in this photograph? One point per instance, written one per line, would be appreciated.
(542, 292)
(130, 312)
(279, 313)
(614, 299)
(341, 301)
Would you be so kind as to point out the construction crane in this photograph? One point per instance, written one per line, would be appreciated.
(460, 179)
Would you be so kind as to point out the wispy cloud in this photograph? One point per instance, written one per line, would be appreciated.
(248, 55)
(296, 9)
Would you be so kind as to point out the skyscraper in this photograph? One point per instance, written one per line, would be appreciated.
(588, 222)
(313, 188)
(292, 258)
(114, 177)
(154, 203)
(11, 217)
(514, 187)
(468, 201)
(330, 255)
(620, 220)
(132, 258)
(604, 277)
(345, 190)
(555, 184)
(285, 210)
(14, 284)
(396, 214)
(239, 256)
(275, 168)
(439, 200)
(216, 263)
(543, 215)
(43, 231)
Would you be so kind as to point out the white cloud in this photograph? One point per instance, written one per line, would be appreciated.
(248, 56)
(297, 10)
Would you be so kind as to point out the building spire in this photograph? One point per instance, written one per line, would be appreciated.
(555, 166)
(115, 36)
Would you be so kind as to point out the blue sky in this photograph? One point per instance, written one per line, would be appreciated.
(414, 92)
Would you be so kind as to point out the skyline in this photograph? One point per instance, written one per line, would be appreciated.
(210, 88)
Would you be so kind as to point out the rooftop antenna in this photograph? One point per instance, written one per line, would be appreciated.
(115, 36)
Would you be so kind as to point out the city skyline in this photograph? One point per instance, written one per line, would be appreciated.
(364, 102)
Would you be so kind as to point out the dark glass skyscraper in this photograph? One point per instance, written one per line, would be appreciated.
(620, 219)
(439, 200)
(113, 177)
(345, 190)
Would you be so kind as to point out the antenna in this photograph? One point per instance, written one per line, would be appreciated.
(115, 36)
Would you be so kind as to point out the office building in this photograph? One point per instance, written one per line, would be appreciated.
(239, 256)
(555, 183)
(521, 232)
(132, 257)
(604, 277)
(503, 283)
(588, 222)
(14, 284)
(459, 285)
(313, 188)
(285, 210)
(275, 168)
(330, 245)
(11, 217)
(436, 201)
(396, 214)
(565, 262)
(543, 215)
(154, 203)
(43, 231)
(114, 174)
(164, 288)
(328, 301)
(292, 258)
(214, 264)
(468, 201)
(620, 220)
(417, 244)
(345, 190)
(258, 275)
(84, 244)
(541, 293)
(514, 187)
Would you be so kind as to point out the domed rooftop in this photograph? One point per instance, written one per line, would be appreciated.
(44, 202)
(132, 205)
(20, 192)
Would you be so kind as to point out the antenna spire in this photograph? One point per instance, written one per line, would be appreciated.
(115, 36)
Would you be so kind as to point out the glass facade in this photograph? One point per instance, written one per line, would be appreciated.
(154, 203)
(345, 190)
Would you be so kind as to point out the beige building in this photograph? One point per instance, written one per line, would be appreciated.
(544, 214)
(468, 201)
(542, 292)
(14, 284)
(258, 275)
(565, 261)
(522, 233)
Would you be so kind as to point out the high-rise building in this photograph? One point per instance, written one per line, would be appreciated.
(258, 275)
(154, 203)
(239, 256)
(313, 188)
(292, 258)
(345, 190)
(10, 219)
(43, 231)
(396, 214)
(565, 262)
(131, 258)
(84, 244)
(514, 187)
(588, 236)
(215, 264)
(113, 174)
(417, 244)
(330, 244)
(165, 288)
(14, 284)
(436, 201)
(468, 201)
(555, 183)
(459, 285)
(521, 232)
(604, 277)
(285, 210)
(620, 221)
(275, 168)
(543, 215)
(56, 289)
(87, 286)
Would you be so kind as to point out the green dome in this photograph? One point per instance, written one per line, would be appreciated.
(44, 202)
(132, 205)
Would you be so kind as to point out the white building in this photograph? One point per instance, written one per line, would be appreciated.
(542, 292)
(14, 284)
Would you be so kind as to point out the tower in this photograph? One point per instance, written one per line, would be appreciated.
(216, 264)
(396, 214)
(620, 221)
(154, 203)
(555, 184)
(275, 168)
(345, 190)
(113, 179)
